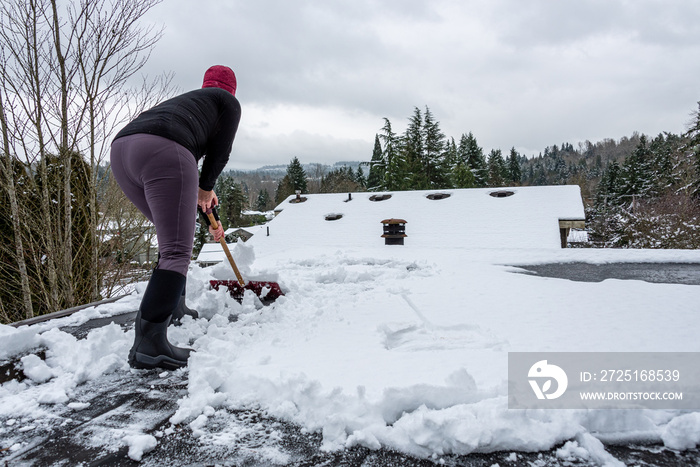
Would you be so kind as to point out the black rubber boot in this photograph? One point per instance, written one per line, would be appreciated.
(151, 348)
(182, 309)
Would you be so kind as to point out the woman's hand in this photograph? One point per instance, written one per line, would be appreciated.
(207, 199)
(218, 233)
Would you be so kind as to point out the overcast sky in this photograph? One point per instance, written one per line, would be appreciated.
(316, 77)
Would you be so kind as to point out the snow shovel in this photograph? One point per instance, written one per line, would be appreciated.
(267, 292)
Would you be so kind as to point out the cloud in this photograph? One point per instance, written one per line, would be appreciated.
(524, 74)
(253, 150)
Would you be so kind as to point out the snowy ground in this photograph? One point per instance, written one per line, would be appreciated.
(399, 347)
(390, 347)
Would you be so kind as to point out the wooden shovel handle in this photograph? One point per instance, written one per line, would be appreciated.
(222, 240)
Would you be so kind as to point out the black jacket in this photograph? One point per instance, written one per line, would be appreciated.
(204, 121)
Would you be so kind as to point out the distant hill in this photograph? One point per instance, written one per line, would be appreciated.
(281, 169)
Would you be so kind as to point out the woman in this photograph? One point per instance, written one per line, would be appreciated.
(154, 160)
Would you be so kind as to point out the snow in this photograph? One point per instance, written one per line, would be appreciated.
(577, 236)
(36, 369)
(587, 447)
(683, 432)
(398, 346)
(140, 445)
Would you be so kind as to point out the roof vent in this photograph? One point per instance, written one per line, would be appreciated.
(501, 194)
(437, 196)
(299, 198)
(333, 217)
(379, 197)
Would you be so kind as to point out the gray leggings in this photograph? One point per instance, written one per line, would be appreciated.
(160, 177)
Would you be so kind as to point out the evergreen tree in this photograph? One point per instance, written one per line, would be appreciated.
(662, 149)
(637, 172)
(414, 175)
(413, 137)
(514, 172)
(462, 154)
(263, 201)
(377, 167)
(540, 178)
(692, 152)
(476, 161)
(297, 175)
(610, 186)
(451, 156)
(560, 169)
(529, 175)
(450, 163)
(462, 177)
(360, 178)
(285, 188)
(604, 218)
(232, 201)
(434, 151)
(498, 171)
(394, 173)
(31, 185)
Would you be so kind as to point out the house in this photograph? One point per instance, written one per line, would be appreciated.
(211, 254)
(511, 217)
(244, 233)
(473, 218)
(134, 238)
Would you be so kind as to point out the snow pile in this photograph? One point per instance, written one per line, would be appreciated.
(586, 447)
(16, 341)
(68, 363)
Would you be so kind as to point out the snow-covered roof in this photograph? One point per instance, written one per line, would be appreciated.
(252, 230)
(268, 214)
(113, 225)
(212, 253)
(514, 217)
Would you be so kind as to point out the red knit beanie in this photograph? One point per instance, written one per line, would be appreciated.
(220, 76)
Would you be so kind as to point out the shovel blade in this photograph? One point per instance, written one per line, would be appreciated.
(267, 292)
